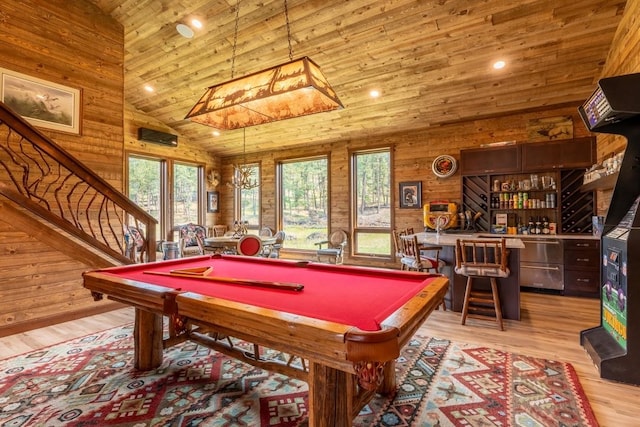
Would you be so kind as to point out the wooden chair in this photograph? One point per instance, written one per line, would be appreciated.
(334, 251)
(482, 259)
(397, 244)
(191, 239)
(249, 245)
(219, 230)
(413, 257)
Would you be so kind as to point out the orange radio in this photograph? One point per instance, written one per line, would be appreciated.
(440, 214)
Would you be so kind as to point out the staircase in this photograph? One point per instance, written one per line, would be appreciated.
(53, 197)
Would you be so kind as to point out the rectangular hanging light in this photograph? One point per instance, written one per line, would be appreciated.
(296, 88)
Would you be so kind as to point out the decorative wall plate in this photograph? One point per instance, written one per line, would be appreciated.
(444, 166)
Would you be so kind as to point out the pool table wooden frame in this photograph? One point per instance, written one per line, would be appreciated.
(343, 365)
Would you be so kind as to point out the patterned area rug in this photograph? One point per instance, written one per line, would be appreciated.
(90, 381)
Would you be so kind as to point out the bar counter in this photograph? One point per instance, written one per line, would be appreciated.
(509, 288)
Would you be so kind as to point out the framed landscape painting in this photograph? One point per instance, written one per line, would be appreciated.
(43, 104)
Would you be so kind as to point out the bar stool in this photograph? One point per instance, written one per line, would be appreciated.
(482, 259)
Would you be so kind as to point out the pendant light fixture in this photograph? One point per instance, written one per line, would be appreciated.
(295, 88)
(242, 174)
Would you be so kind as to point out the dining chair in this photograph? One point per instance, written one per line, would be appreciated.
(265, 232)
(191, 239)
(397, 242)
(249, 245)
(274, 250)
(413, 257)
(334, 250)
(219, 230)
(482, 259)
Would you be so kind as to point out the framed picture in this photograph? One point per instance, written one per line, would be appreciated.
(42, 103)
(411, 195)
(212, 201)
(444, 166)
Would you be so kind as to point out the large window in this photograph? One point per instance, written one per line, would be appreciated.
(304, 201)
(148, 180)
(371, 202)
(145, 178)
(186, 193)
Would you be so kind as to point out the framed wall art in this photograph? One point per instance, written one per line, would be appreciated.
(411, 195)
(213, 200)
(444, 166)
(43, 104)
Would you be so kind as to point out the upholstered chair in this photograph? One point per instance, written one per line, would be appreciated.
(192, 239)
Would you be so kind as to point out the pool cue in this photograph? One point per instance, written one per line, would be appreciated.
(249, 282)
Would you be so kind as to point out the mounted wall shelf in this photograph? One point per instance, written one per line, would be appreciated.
(604, 183)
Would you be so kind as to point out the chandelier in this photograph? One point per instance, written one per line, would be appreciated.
(242, 174)
(295, 88)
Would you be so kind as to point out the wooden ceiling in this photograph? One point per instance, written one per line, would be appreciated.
(431, 60)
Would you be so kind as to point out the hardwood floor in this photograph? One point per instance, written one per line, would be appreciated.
(550, 328)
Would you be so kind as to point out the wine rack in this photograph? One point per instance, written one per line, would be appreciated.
(577, 207)
(573, 211)
(475, 191)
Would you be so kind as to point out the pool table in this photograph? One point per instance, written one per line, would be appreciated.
(341, 327)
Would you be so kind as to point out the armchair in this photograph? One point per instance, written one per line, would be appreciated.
(191, 239)
(334, 250)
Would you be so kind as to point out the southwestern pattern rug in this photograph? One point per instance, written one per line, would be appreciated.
(90, 381)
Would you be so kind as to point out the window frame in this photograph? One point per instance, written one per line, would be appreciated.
(166, 223)
(279, 191)
(353, 204)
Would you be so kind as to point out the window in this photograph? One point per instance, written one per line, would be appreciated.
(145, 187)
(249, 201)
(304, 201)
(148, 181)
(371, 202)
(186, 203)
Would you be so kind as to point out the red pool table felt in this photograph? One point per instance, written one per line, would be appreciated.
(360, 297)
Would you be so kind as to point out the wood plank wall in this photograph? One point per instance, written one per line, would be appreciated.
(74, 44)
(413, 154)
(624, 58)
(185, 151)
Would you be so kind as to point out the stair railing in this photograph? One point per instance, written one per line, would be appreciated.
(46, 180)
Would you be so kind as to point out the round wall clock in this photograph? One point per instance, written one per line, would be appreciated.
(444, 166)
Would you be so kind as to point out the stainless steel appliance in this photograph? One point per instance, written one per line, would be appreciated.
(541, 264)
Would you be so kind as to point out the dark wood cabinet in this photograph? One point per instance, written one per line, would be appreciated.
(564, 161)
(564, 154)
(582, 267)
(490, 160)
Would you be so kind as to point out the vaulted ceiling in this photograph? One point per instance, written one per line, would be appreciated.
(430, 60)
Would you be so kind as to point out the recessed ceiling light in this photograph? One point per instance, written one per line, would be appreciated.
(196, 23)
(148, 88)
(499, 64)
(184, 31)
(374, 93)
(215, 133)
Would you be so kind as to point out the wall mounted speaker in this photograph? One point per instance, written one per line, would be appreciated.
(157, 137)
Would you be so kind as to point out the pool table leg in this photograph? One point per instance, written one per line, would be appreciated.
(331, 394)
(147, 335)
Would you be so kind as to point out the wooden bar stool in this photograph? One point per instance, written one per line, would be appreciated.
(482, 259)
